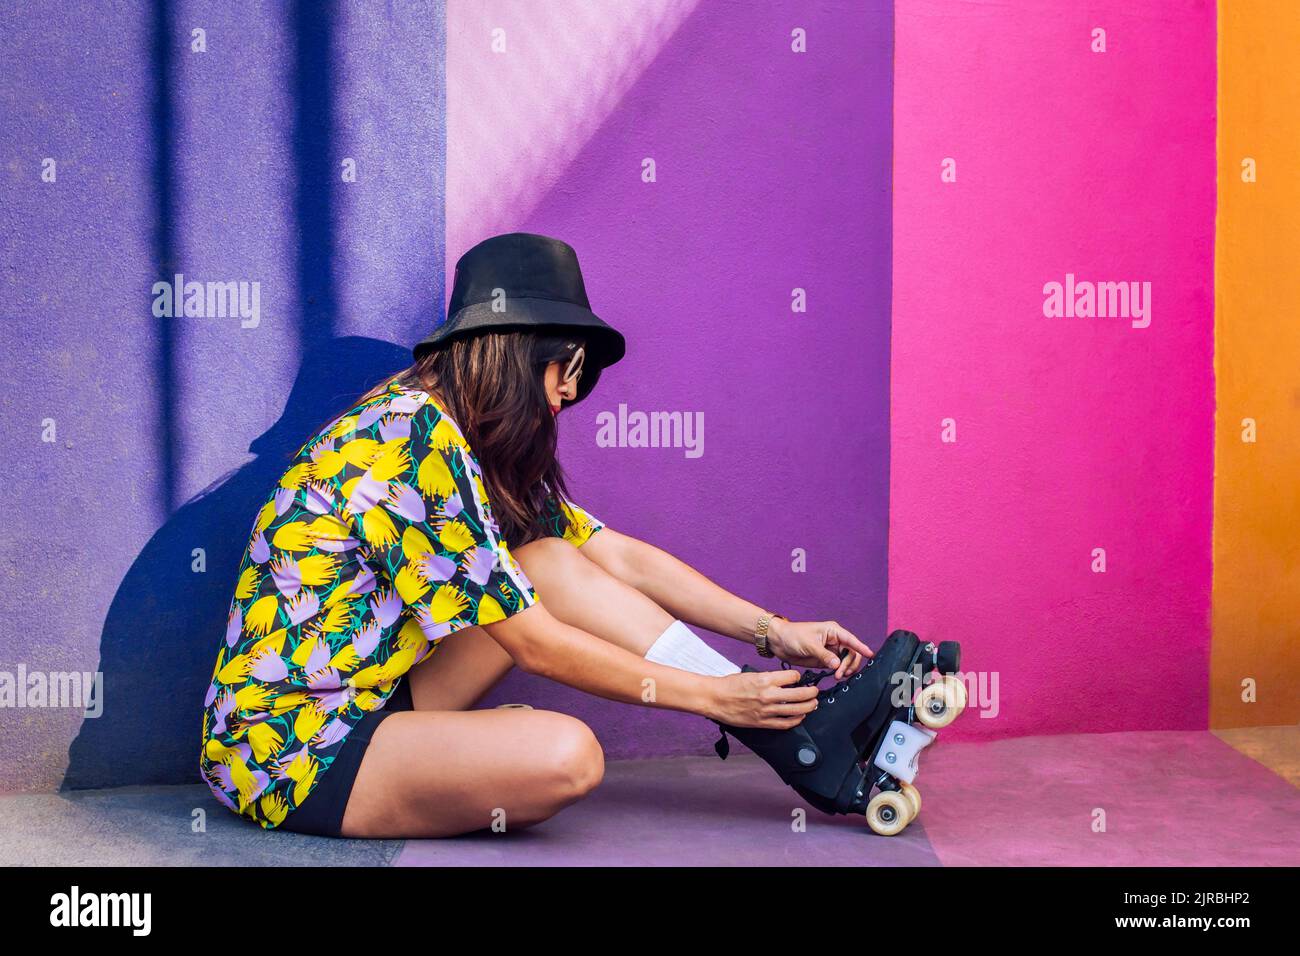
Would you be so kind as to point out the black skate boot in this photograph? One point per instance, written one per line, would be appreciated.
(862, 736)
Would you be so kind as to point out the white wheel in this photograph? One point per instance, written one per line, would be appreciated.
(889, 813)
(936, 705)
(958, 689)
(914, 797)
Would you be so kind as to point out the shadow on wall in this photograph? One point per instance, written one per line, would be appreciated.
(166, 622)
(162, 120)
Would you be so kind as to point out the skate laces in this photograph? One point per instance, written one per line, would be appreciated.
(808, 676)
(723, 747)
(812, 677)
(816, 677)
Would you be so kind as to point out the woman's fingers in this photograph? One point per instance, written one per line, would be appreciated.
(778, 690)
(844, 666)
(853, 663)
(797, 695)
(780, 700)
(802, 708)
(847, 639)
(783, 723)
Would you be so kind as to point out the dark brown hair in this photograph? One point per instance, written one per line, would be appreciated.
(492, 384)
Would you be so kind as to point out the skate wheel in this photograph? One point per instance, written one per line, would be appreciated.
(514, 706)
(936, 705)
(889, 812)
(948, 657)
(959, 691)
(913, 797)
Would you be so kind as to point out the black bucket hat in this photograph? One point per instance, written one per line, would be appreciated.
(521, 280)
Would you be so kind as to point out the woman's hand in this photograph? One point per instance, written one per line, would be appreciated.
(762, 699)
(817, 644)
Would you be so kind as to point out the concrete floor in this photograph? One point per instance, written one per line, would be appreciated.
(1166, 799)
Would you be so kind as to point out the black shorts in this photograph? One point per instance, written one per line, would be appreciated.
(322, 812)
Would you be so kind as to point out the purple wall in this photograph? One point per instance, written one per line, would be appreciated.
(225, 165)
(221, 165)
(772, 173)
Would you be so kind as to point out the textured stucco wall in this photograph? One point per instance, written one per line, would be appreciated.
(1255, 677)
(220, 165)
(140, 445)
(1071, 434)
(772, 173)
(226, 165)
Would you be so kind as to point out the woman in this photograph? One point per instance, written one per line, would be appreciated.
(434, 506)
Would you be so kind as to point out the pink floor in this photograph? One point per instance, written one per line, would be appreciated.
(1167, 798)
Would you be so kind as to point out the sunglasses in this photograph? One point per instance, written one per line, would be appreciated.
(573, 370)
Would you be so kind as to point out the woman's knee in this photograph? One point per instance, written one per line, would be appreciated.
(547, 544)
(548, 553)
(574, 762)
(558, 571)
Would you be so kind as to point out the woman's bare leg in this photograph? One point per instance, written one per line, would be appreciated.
(466, 665)
(443, 769)
(580, 592)
(433, 774)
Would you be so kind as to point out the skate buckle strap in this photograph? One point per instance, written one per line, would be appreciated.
(721, 745)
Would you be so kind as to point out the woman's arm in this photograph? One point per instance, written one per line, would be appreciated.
(542, 644)
(691, 597)
(674, 585)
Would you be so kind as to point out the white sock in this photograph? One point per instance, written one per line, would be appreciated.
(680, 647)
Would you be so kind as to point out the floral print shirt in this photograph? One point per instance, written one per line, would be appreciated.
(377, 543)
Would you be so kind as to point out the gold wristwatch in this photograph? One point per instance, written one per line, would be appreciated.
(760, 633)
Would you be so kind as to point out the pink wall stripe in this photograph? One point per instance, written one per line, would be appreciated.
(1072, 433)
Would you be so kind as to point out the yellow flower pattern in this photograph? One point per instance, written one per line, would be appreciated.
(376, 543)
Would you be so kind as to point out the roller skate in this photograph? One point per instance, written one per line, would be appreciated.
(866, 733)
